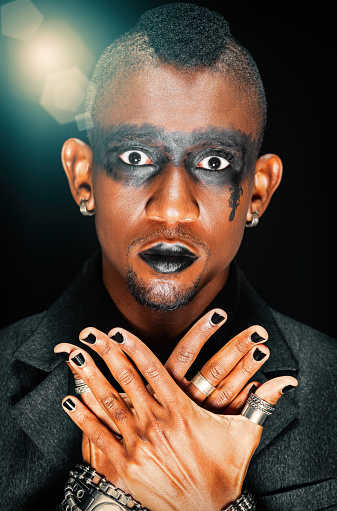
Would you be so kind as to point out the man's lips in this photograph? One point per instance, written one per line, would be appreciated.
(168, 257)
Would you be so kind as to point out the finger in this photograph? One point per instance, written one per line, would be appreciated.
(107, 397)
(187, 350)
(272, 390)
(91, 402)
(120, 366)
(222, 363)
(64, 349)
(87, 397)
(96, 432)
(162, 385)
(233, 383)
(86, 450)
(236, 406)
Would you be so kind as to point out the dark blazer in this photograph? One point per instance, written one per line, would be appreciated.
(294, 467)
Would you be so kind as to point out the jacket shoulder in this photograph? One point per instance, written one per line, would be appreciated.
(307, 342)
(12, 336)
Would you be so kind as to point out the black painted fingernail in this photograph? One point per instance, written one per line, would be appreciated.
(255, 337)
(65, 355)
(216, 318)
(258, 355)
(90, 339)
(79, 360)
(117, 338)
(288, 387)
(252, 389)
(69, 405)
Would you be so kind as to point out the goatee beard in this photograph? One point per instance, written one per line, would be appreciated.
(163, 296)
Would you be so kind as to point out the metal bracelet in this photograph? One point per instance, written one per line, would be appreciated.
(246, 502)
(82, 494)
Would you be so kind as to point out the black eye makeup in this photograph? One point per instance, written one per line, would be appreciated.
(217, 158)
(216, 166)
(132, 163)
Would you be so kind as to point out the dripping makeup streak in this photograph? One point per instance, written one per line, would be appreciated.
(178, 148)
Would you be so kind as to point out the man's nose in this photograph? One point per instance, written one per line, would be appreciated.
(173, 199)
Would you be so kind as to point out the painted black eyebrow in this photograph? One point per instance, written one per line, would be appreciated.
(205, 138)
(125, 132)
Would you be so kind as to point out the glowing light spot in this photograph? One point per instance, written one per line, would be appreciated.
(20, 19)
(63, 94)
(45, 56)
(56, 47)
(68, 96)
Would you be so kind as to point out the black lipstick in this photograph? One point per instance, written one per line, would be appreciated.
(168, 257)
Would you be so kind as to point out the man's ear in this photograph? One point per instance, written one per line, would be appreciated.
(77, 163)
(268, 175)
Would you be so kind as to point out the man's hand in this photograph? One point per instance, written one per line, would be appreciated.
(229, 370)
(172, 454)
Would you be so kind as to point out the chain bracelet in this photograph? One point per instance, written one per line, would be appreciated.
(246, 502)
(82, 494)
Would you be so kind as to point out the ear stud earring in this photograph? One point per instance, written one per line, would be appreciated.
(254, 221)
(83, 208)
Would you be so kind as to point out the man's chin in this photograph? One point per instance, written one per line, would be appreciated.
(161, 296)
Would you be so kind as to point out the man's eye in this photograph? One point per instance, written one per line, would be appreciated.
(213, 163)
(135, 158)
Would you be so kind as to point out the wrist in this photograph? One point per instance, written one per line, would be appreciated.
(85, 490)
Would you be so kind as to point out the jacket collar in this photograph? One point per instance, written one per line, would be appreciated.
(40, 410)
(250, 310)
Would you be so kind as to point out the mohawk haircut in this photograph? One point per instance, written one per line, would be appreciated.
(187, 36)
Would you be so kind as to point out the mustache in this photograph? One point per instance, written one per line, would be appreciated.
(178, 233)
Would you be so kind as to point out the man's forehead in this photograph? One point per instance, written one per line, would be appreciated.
(179, 100)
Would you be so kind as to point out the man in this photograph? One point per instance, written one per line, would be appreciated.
(173, 174)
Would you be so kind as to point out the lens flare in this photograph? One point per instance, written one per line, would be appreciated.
(20, 20)
(63, 94)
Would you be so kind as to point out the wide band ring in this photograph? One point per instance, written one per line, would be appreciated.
(81, 386)
(257, 410)
(202, 384)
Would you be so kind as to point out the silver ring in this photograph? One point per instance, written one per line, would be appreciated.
(81, 386)
(257, 410)
(202, 384)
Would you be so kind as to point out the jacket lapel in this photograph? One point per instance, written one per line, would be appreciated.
(252, 310)
(40, 411)
(280, 363)
(41, 416)
(285, 413)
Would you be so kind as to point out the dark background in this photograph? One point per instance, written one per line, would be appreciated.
(290, 257)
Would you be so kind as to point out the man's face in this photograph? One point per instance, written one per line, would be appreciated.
(174, 160)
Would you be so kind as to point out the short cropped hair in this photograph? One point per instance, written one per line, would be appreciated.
(184, 35)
